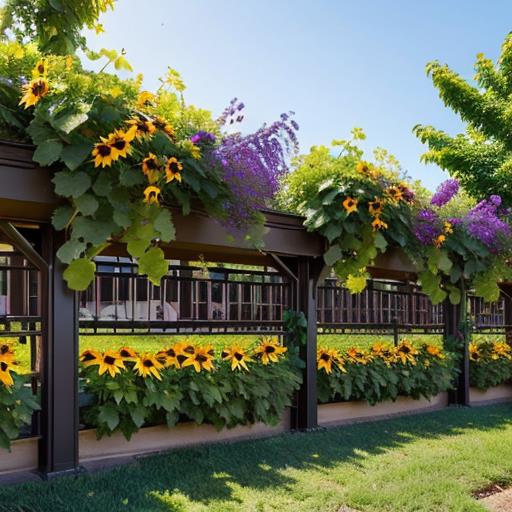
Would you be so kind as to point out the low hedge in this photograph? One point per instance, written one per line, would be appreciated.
(384, 372)
(490, 364)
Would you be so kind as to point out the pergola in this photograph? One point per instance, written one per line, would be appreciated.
(26, 206)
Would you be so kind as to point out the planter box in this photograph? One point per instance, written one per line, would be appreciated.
(497, 394)
(352, 412)
(161, 438)
(22, 457)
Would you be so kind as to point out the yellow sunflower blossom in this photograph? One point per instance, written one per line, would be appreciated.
(41, 68)
(326, 358)
(238, 357)
(145, 99)
(201, 359)
(173, 170)
(350, 205)
(90, 357)
(501, 350)
(394, 193)
(103, 153)
(161, 124)
(6, 353)
(358, 355)
(148, 365)
(34, 91)
(111, 362)
(151, 167)
(152, 195)
(406, 352)
(5, 373)
(375, 207)
(378, 223)
(170, 357)
(120, 142)
(144, 128)
(128, 354)
(269, 350)
(383, 351)
(474, 352)
(434, 351)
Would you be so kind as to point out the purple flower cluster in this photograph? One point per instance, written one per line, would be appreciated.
(203, 137)
(445, 192)
(253, 164)
(427, 226)
(484, 223)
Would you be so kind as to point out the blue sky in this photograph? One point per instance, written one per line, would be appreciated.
(336, 64)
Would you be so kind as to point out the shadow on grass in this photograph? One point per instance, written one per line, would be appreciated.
(207, 473)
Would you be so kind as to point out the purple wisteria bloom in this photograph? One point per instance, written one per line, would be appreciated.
(445, 192)
(253, 164)
(427, 226)
(203, 137)
(484, 223)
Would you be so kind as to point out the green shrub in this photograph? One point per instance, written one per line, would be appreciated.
(490, 364)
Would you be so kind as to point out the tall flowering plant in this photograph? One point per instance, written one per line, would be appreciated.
(470, 250)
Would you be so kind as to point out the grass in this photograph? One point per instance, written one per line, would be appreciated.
(153, 343)
(431, 463)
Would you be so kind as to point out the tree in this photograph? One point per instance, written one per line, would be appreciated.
(54, 25)
(481, 158)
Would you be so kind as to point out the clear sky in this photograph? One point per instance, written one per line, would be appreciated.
(336, 64)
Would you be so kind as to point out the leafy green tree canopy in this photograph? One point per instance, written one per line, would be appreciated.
(54, 25)
(481, 158)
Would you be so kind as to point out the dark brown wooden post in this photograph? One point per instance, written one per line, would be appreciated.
(456, 339)
(506, 293)
(58, 448)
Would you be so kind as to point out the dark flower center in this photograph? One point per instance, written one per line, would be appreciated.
(109, 360)
(181, 358)
(125, 353)
(171, 353)
(269, 349)
(238, 356)
(151, 164)
(325, 357)
(148, 363)
(3, 366)
(104, 150)
(120, 144)
(201, 359)
(405, 350)
(4, 349)
(88, 357)
(189, 349)
(38, 88)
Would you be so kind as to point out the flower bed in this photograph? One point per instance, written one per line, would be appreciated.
(490, 364)
(383, 373)
(16, 400)
(188, 383)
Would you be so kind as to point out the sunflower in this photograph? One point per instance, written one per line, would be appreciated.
(183, 351)
(41, 69)
(405, 352)
(501, 350)
(6, 353)
(169, 357)
(111, 362)
(151, 195)
(120, 141)
(238, 357)
(395, 194)
(5, 373)
(143, 128)
(363, 168)
(358, 355)
(201, 359)
(161, 124)
(384, 352)
(448, 228)
(34, 91)
(474, 352)
(326, 358)
(128, 354)
(145, 99)
(103, 153)
(173, 170)
(434, 351)
(378, 223)
(439, 241)
(151, 167)
(269, 351)
(350, 205)
(375, 207)
(147, 365)
(90, 357)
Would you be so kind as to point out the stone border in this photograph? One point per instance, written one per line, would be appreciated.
(22, 457)
(341, 413)
(494, 395)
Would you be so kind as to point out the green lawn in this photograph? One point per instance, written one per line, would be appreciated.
(430, 463)
(153, 343)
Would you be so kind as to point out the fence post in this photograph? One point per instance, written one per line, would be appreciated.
(58, 448)
(506, 293)
(456, 338)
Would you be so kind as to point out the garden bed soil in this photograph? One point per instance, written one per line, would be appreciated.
(161, 438)
(353, 412)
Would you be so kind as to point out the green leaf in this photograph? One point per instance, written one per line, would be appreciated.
(80, 274)
(153, 264)
(71, 250)
(333, 255)
(108, 414)
(380, 242)
(93, 231)
(61, 216)
(68, 122)
(103, 185)
(130, 177)
(74, 155)
(48, 152)
(332, 231)
(164, 225)
(122, 64)
(87, 204)
(122, 219)
(71, 184)
(40, 132)
(444, 262)
(138, 415)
